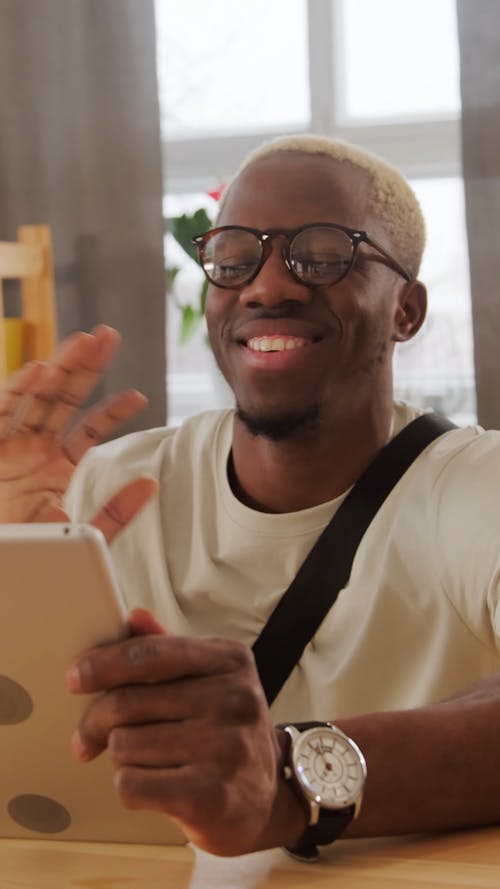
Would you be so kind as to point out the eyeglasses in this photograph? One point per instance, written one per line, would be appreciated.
(320, 254)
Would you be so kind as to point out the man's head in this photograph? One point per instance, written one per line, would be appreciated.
(303, 326)
(392, 201)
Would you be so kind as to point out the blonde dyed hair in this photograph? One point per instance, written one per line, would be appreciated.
(391, 198)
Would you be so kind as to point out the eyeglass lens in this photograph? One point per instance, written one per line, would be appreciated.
(317, 256)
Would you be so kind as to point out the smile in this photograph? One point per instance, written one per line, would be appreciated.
(276, 343)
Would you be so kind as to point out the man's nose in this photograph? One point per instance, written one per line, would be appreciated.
(274, 284)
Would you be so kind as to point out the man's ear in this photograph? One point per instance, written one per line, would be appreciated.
(410, 311)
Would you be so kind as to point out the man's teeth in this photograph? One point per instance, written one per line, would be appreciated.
(275, 343)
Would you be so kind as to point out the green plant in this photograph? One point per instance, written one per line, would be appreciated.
(183, 228)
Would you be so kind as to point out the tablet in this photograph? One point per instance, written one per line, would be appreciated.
(58, 597)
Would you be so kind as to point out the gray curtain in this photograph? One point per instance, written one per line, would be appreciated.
(80, 149)
(479, 38)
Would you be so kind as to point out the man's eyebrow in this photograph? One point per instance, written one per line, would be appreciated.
(276, 230)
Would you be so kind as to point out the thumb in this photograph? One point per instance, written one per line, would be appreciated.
(124, 506)
(143, 623)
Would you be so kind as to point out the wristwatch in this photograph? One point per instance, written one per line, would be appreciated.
(328, 772)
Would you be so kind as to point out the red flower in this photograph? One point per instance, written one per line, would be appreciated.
(216, 193)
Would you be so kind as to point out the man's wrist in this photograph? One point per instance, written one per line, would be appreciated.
(288, 819)
(291, 816)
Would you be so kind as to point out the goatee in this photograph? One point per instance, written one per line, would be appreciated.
(294, 424)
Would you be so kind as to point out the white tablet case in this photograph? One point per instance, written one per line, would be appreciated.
(57, 598)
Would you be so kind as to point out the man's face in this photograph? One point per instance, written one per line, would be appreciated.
(338, 339)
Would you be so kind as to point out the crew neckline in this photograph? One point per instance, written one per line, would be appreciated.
(288, 524)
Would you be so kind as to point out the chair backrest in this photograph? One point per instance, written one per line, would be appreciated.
(29, 260)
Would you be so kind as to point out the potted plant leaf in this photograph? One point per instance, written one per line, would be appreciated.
(183, 228)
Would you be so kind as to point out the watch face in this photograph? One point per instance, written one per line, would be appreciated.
(329, 766)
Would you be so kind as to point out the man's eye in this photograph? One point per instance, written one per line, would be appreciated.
(232, 271)
(321, 268)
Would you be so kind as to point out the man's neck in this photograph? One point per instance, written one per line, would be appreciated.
(287, 476)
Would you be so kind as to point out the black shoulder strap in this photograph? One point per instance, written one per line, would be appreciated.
(327, 568)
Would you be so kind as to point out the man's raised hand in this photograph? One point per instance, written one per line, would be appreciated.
(42, 439)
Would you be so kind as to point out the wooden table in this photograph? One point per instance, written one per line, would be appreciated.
(469, 859)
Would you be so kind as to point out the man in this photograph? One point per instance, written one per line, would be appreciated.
(313, 283)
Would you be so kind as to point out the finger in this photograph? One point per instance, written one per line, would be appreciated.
(99, 422)
(30, 413)
(73, 373)
(124, 506)
(50, 511)
(14, 392)
(173, 711)
(167, 745)
(43, 507)
(174, 744)
(154, 704)
(30, 394)
(50, 398)
(157, 658)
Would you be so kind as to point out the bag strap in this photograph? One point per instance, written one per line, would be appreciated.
(327, 568)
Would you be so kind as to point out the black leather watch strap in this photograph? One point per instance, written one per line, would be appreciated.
(330, 826)
(302, 726)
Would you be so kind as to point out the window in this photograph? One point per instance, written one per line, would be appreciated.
(422, 72)
(220, 74)
(233, 74)
(436, 368)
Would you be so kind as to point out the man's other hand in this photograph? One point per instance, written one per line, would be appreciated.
(186, 725)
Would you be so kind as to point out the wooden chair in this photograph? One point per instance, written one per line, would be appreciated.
(29, 259)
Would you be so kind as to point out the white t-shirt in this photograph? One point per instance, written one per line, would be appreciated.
(419, 619)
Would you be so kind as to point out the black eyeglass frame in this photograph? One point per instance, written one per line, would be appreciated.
(265, 239)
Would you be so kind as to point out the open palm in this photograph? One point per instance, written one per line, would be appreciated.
(42, 438)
